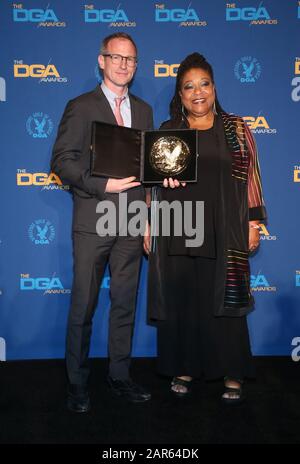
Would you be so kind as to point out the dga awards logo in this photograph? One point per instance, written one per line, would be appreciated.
(2, 349)
(264, 233)
(247, 70)
(41, 17)
(45, 73)
(297, 173)
(49, 285)
(296, 81)
(255, 16)
(259, 283)
(41, 232)
(40, 179)
(162, 69)
(2, 90)
(39, 125)
(259, 125)
(117, 17)
(184, 17)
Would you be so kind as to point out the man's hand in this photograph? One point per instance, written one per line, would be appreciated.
(173, 183)
(119, 185)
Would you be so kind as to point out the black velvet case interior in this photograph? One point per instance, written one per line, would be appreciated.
(119, 152)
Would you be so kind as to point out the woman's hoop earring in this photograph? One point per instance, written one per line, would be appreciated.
(214, 108)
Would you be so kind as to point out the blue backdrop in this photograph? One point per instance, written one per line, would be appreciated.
(48, 55)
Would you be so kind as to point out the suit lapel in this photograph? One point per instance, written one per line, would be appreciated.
(134, 113)
(105, 112)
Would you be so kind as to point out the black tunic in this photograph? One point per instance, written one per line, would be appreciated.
(206, 189)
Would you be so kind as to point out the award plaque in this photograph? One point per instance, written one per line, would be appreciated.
(150, 156)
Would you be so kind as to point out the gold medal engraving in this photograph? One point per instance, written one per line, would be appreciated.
(169, 155)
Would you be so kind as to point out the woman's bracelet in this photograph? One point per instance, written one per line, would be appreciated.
(254, 226)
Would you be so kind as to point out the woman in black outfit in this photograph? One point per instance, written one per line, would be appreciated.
(199, 297)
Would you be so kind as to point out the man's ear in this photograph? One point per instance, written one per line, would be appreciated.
(101, 61)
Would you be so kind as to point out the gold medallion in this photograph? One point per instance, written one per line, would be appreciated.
(169, 156)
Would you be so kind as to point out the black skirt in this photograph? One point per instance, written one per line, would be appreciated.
(192, 341)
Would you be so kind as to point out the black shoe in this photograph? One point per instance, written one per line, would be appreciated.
(128, 390)
(78, 399)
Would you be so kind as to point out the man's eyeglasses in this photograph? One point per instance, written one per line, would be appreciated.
(131, 61)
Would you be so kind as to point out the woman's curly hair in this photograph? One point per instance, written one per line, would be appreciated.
(195, 60)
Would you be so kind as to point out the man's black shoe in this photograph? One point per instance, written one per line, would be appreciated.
(78, 399)
(128, 390)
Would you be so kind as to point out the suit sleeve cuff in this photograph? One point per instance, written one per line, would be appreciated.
(97, 186)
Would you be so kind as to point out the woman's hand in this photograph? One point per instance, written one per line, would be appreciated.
(172, 183)
(147, 239)
(253, 236)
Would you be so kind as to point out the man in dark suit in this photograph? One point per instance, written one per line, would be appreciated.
(111, 103)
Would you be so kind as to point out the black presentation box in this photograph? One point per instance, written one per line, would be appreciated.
(150, 156)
